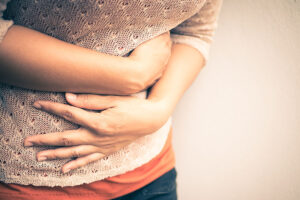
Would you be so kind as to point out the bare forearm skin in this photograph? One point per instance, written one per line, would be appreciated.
(183, 67)
(33, 60)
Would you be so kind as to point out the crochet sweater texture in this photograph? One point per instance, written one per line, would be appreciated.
(114, 27)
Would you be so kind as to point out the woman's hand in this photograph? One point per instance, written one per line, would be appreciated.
(151, 57)
(119, 120)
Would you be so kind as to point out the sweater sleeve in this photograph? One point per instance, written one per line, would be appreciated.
(4, 24)
(197, 31)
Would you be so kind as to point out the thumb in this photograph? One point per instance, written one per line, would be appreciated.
(91, 101)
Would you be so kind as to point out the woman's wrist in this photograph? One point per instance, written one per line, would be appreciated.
(164, 106)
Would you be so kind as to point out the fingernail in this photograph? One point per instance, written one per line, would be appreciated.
(28, 144)
(37, 105)
(71, 96)
(42, 158)
(66, 170)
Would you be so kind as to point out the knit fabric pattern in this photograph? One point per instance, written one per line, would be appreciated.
(114, 27)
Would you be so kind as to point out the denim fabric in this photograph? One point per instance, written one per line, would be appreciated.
(163, 188)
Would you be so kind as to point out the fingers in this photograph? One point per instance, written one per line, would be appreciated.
(70, 113)
(67, 152)
(92, 120)
(82, 161)
(93, 102)
(66, 138)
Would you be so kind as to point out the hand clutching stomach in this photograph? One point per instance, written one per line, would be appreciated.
(107, 123)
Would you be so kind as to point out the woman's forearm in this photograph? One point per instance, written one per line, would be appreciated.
(123, 119)
(33, 60)
(183, 67)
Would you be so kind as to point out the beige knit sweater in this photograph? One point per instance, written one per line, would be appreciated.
(113, 27)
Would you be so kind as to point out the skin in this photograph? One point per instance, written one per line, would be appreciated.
(122, 118)
(64, 67)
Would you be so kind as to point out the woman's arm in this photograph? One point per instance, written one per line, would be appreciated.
(190, 53)
(183, 67)
(33, 60)
(123, 119)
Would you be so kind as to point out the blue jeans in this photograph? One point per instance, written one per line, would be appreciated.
(163, 188)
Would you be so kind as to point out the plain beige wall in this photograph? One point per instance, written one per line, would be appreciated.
(237, 129)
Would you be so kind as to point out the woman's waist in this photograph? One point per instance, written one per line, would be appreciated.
(20, 118)
(19, 165)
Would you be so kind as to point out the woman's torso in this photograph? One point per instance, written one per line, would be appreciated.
(114, 27)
